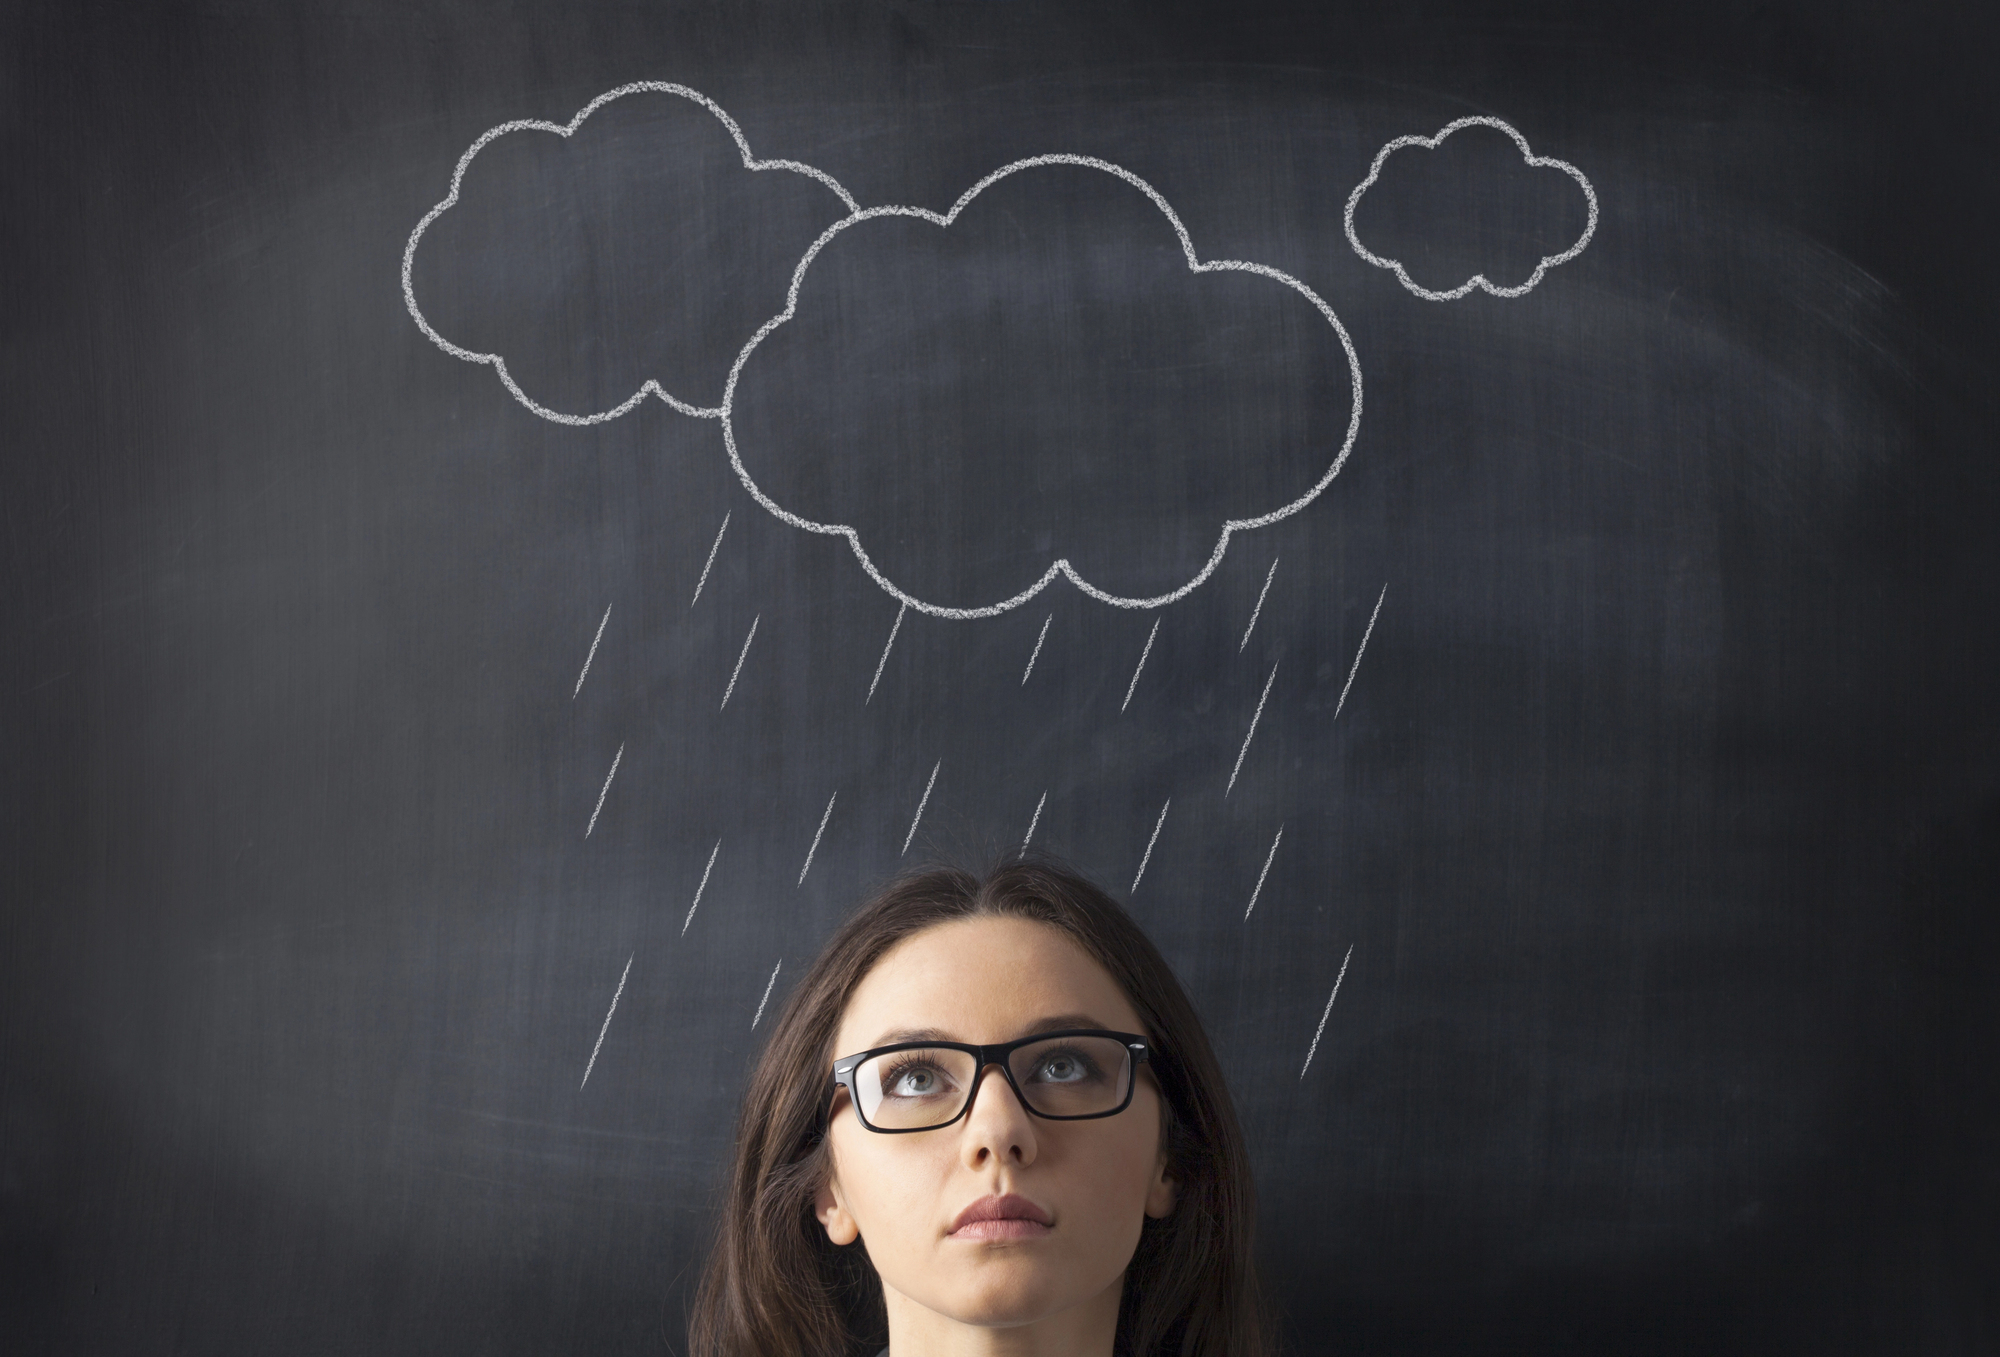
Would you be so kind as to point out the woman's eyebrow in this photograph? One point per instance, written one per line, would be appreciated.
(1057, 1023)
(1061, 1022)
(913, 1034)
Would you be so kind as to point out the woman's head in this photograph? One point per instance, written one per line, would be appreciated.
(1138, 1219)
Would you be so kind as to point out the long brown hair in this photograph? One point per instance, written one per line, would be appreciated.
(776, 1286)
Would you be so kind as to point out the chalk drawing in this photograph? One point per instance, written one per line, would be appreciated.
(1253, 731)
(1329, 1009)
(566, 130)
(1359, 651)
(710, 561)
(702, 887)
(593, 652)
(1038, 648)
(1133, 686)
(885, 656)
(1061, 568)
(1259, 890)
(591, 1064)
(1149, 846)
(815, 843)
(604, 791)
(1037, 820)
(1258, 611)
(1478, 280)
(918, 817)
(739, 660)
(767, 994)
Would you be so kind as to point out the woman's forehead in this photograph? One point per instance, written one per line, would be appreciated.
(982, 980)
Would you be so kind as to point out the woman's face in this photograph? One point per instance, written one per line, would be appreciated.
(989, 980)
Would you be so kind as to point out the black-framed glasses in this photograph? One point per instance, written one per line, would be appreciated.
(1072, 1075)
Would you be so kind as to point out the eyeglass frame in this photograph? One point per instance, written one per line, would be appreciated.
(1137, 1046)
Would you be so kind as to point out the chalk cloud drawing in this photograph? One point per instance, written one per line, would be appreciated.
(1195, 412)
(1480, 280)
(961, 385)
(628, 254)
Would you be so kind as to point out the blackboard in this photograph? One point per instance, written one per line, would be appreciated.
(1547, 723)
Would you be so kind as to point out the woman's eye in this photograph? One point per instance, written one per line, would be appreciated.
(1063, 1069)
(915, 1081)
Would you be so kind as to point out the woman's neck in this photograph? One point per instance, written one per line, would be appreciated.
(1088, 1329)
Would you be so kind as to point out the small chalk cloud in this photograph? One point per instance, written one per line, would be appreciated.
(1441, 205)
(628, 252)
(1045, 381)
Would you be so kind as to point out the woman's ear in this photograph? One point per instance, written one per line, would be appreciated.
(1162, 1192)
(831, 1212)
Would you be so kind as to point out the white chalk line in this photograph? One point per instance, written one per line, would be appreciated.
(1149, 846)
(739, 660)
(593, 652)
(1061, 567)
(1359, 651)
(1037, 820)
(1478, 280)
(1329, 1009)
(1266, 872)
(767, 994)
(918, 817)
(604, 791)
(815, 843)
(707, 565)
(1258, 611)
(566, 130)
(1133, 686)
(886, 647)
(1258, 716)
(615, 996)
(1038, 649)
(702, 887)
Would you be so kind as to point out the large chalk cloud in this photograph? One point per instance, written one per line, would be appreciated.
(1045, 381)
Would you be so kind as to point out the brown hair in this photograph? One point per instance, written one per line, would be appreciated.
(776, 1286)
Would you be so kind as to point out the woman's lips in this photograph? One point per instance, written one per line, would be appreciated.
(1001, 1229)
(1008, 1217)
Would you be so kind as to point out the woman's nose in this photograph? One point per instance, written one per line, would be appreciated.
(997, 1126)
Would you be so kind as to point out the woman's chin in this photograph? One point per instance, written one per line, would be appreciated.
(999, 1291)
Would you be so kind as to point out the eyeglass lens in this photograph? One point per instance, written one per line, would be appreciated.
(928, 1086)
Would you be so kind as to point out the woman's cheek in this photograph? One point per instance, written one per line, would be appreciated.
(899, 1192)
(1106, 1197)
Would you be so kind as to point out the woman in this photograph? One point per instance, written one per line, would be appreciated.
(987, 1122)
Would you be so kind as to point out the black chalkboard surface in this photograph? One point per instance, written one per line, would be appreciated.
(1478, 527)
